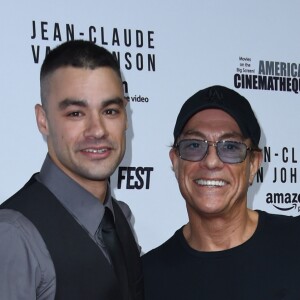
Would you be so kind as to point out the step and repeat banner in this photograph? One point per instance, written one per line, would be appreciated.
(167, 51)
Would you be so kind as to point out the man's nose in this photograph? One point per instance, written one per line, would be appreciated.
(212, 159)
(95, 127)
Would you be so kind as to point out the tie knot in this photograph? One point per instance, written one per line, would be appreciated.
(107, 223)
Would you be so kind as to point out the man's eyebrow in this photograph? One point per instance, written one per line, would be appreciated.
(83, 103)
(118, 101)
(226, 135)
(193, 133)
(230, 135)
(71, 102)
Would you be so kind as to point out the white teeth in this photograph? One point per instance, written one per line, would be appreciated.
(210, 182)
(95, 150)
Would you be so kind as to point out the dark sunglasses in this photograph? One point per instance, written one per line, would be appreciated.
(230, 152)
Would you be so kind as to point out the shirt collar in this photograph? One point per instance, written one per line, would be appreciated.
(82, 205)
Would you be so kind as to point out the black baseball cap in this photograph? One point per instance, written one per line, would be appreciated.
(223, 98)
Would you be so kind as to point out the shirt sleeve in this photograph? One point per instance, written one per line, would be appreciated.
(26, 271)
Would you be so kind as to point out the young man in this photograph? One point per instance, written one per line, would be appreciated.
(54, 231)
(226, 250)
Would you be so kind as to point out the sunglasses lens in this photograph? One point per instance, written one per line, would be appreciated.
(231, 152)
(192, 150)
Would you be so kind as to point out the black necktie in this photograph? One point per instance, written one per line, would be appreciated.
(114, 249)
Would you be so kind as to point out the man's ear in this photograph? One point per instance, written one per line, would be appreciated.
(174, 159)
(255, 163)
(125, 101)
(41, 119)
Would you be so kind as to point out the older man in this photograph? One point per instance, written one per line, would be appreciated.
(226, 250)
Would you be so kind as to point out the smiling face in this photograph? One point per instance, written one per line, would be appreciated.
(84, 122)
(211, 187)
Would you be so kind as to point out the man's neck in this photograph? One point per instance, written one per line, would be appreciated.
(221, 232)
(97, 188)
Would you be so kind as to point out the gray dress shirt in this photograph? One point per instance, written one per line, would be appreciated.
(26, 269)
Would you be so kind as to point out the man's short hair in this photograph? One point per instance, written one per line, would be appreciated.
(78, 54)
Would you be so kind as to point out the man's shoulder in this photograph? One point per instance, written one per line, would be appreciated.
(19, 235)
(13, 219)
(31, 188)
(278, 219)
(165, 251)
(279, 227)
(15, 225)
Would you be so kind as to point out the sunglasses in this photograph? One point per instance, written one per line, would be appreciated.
(230, 152)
